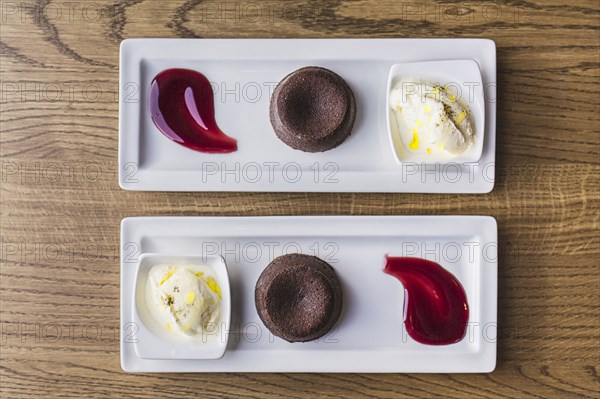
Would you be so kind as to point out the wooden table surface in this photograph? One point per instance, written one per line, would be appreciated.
(61, 204)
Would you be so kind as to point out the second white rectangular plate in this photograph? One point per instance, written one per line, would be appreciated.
(244, 73)
(369, 337)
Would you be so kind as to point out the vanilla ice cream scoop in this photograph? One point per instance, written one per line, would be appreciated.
(431, 119)
(184, 299)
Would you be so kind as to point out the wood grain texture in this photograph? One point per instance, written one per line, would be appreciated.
(61, 204)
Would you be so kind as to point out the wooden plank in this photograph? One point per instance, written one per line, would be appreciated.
(61, 204)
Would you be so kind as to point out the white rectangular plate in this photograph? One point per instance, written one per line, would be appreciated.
(244, 73)
(370, 335)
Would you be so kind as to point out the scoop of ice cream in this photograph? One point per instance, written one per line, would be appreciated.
(431, 119)
(182, 300)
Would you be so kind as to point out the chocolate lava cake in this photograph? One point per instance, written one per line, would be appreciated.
(298, 297)
(312, 109)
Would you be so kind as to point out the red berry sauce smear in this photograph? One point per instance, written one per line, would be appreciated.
(435, 304)
(181, 104)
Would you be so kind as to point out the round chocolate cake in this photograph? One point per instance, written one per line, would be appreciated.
(312, 109)
(298, 297)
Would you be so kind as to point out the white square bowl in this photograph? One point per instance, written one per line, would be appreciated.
(152, 341)
(464, 77)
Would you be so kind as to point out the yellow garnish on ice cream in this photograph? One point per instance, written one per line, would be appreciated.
(214, 286)
(189, 298)
(166, 277)
(414, 144)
